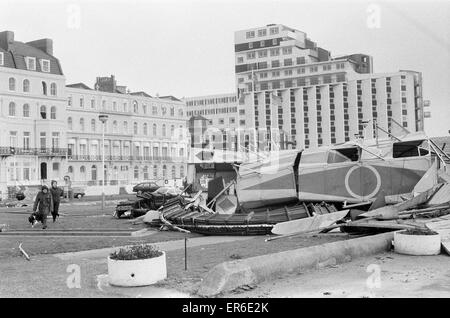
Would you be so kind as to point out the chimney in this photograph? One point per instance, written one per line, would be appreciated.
(45, 45)
(6, 38)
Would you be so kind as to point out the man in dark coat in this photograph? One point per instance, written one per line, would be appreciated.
(44, 205)
(56, 195)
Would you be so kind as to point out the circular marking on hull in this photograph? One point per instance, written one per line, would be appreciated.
(363, 197)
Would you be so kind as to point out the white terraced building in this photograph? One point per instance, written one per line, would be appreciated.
(295, 94)
(32, 115)
(145, 136)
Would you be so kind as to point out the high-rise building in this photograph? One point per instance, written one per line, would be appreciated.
(293, 92)
(32, 114)
(224, 122)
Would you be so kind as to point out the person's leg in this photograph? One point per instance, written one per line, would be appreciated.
(44, 220)
(55, 211)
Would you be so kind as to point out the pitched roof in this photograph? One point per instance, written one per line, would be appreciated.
(15, 53)
(170, 97)
(144, 94)
(79, 85)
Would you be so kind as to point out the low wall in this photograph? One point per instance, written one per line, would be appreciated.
(228, 276)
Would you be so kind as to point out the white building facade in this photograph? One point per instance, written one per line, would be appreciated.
(145, 137)
(32, 114)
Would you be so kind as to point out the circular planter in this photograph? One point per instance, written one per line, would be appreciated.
(140, 272)
(417, 244)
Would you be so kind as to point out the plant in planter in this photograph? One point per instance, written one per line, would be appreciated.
(138, 265)
(420, 241)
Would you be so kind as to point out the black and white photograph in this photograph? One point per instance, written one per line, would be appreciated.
(230, 155)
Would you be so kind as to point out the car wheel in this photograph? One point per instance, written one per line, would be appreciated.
(78, 196)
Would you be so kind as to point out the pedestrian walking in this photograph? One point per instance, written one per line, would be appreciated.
(56, 195)
(43, 205)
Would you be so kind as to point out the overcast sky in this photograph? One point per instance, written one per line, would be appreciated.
(185, 48)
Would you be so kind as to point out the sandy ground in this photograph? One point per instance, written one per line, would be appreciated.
(399, 276)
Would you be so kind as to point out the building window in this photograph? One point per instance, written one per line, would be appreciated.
(135, 128)
(93, 173)
(145, 129)
(12, 109)
(172, 111)
(93, 125)
(31, 63)
(262, 32)
(55, 140)
(144, 109)
(135, 107)
(26, 110)
(273, 31)
(26, 139)
(172, 131)
(44, 88)
(240, 60)
(115, 127)
(164, 130)
(70, 169)
(12, 84)
(287, 50)
(145, 173)
(43, 112)
(69, 101)
(182, 172)
(250, 34)
(43, 140)
(155, 172)
(26, 86)
(136, 172)
(81, 102)
(164, 172)
(13, 138)
(173, 173)
(69, 123)
(45, 66)
(125, 127)
(154, 129)
(53, 112)
(2, 59)
(53, 90)
(81, 124)
(154, 110)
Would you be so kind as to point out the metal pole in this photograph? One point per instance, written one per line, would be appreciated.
(185, 253)
(103, 166)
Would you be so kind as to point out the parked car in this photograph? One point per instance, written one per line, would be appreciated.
(146, 187)
(78, 193)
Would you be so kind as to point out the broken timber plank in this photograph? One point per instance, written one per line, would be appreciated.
(306, 224)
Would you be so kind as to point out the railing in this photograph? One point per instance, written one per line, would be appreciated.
(11, 151)
(126, 158)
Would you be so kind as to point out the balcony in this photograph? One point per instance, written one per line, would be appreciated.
(43, 152)
(126, 158)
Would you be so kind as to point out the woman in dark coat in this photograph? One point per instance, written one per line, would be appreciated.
(56, 195)
(44, 205)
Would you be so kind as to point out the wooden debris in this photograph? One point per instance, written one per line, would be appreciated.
(428, 180)
(306, 224)
(170, 225)
(23, 252)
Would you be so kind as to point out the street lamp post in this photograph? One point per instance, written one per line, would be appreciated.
(103, 119)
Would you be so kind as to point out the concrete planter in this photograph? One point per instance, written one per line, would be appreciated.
(417, 244)
(133, 273)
